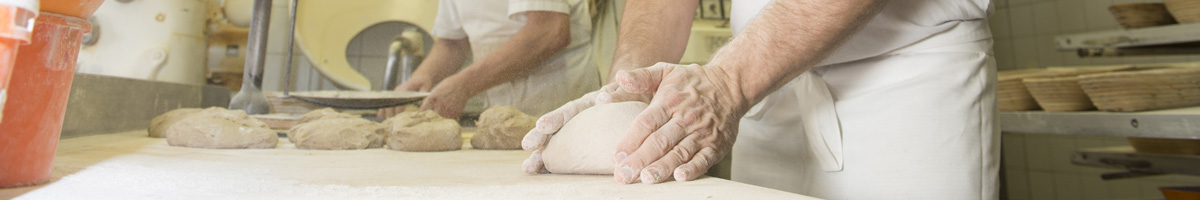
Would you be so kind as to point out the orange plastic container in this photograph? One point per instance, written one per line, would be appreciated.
(75, 8)
(37, 100)
(16, 22)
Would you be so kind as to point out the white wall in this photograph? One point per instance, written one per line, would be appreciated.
(1038, 165)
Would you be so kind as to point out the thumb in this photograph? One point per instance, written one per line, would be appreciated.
(644, 80)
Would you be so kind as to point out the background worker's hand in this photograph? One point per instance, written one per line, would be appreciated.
(549, 123)
(447, 99)
(416, 83)
(689, 126)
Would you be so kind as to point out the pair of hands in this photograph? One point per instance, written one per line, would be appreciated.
(444, 99)
(689, 126)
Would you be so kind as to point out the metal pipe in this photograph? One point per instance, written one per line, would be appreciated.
(287, 77)
(257, 50)
(404, 55)
(250, 98)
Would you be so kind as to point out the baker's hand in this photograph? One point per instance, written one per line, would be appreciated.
(417, 83)
(549, 123)
(447, 99)
(689, 126)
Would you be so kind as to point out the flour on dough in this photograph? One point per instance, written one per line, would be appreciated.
(218, 128)
(586, 144)
(502, 127)
(423, 131)
(336, 133)
(159, 124)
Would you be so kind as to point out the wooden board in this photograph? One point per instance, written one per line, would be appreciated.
(132, 166)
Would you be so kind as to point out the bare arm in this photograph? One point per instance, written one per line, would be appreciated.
(543, 35)
(785, 40)
(444, 59)
(652, 31)
(692, 120)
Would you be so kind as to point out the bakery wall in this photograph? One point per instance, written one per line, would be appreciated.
(1038, 166)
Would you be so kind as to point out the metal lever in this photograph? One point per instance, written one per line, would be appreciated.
(287, 76)
(250, 98)
(404, 55)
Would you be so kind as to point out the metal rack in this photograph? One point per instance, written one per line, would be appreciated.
(1180, 123)
(1161, 40)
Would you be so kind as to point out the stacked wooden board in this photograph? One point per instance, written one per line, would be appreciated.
(1052, 89)
(1120, 88)
(1143, 90)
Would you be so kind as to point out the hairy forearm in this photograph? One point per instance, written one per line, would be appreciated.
(444, 59)
(786, 39)
(652, 31)
(545, 35)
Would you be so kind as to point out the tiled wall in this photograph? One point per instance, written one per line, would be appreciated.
(1037, 166)
(305, 77)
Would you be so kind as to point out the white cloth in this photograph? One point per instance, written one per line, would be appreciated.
(908, 118)
(487, 25)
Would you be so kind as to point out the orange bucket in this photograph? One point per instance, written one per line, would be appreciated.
(37, 100)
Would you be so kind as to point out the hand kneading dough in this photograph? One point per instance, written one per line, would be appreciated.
(423, 131)
(337, 133)
(160, 124)
(322, 114)
(586, 144)
(502, 127)
(217, 128)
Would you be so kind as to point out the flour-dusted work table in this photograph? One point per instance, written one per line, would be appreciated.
(132, 166)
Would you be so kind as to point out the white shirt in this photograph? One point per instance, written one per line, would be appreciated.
(899, 24)
(488, 24)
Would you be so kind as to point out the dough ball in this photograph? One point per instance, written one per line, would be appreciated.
(586, 144)
(423, 131)
(218, 128)
(159, 124)
(322, 114)
(337, 134)
(502, 127)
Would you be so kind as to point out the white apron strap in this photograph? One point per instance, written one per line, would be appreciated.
(821, 125)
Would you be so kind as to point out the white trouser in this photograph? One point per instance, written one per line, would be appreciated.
(917, 123)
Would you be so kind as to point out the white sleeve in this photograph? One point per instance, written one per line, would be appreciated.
(517, 8)
(447, 24)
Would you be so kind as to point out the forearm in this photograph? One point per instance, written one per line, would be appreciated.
(541, 38)
(786, 39)
(652, 31)
(446, 56)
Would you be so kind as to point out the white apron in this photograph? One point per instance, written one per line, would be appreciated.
(913, 123)
(488, 25)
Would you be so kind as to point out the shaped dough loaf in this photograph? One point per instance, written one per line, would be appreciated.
(218, 128)
(423, 131)
(159, 124)
(337, 133)
(586, 144)
(502, 127)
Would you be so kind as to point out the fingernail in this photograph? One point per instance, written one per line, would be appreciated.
(619, 157)
(650, 175)
(681, 175)
(626, 175)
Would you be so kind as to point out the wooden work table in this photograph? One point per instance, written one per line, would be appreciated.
(132, 166)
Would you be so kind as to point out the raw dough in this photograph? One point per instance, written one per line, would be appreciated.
(159, 124)
(502, 127)
(423, 131)
(586, 144)
(322, 114)
(337, 133)
(218, 128)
